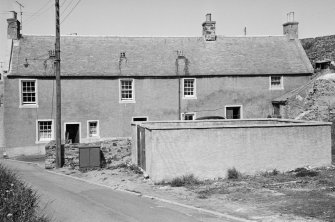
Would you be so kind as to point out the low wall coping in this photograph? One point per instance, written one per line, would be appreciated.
(91, 146)
(154, 125)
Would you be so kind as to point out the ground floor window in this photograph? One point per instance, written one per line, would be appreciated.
(44, 130)
(233, 112)
(93, 128)
(188, 116)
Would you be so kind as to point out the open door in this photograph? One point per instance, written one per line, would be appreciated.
(233, 112)
(72, 132)
(141, 147)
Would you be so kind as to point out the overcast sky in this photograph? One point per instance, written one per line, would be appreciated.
(170, 17)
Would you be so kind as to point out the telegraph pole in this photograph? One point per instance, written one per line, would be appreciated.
(58, 90)
(21, 6)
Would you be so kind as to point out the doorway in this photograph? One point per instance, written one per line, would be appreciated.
(141, 158)
(72, 132)
(233, 112)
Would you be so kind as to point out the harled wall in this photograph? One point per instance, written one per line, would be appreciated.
(208, 152)
(86, 99)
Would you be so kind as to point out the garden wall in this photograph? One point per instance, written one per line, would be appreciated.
(208, 149)
(112, 151)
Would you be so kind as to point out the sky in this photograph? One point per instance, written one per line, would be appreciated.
(168, 17)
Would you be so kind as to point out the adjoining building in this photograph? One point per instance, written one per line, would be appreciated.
(323, 64)
(109, 81)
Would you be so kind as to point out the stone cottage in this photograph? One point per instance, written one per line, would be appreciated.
(109, 81)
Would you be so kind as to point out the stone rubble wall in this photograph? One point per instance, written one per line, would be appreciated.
(318, 104)
(114, 151)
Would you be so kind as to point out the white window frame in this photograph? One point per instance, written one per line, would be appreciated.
(280, 87)
(33, 105)
(132, 89)
(69, 123)
(182, 115)
(229, 106)
(147, 118)
(88, 129)
(194, 96)
(37, 141)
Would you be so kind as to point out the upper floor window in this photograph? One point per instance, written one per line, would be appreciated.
(127, 92)
(276, 82)
(93, 128)
(28, 93)
(189, 89)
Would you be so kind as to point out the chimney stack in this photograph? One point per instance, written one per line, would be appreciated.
(13, 29)
(208, 28)
(290, 28)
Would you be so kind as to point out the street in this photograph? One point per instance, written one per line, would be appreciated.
(66, 199)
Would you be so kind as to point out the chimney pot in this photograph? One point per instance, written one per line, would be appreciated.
(14, 15)
(290, 28)
(208, 17)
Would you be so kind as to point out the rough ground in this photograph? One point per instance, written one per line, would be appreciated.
(305, 195)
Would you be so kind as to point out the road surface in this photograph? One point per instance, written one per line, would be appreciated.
(70, 200)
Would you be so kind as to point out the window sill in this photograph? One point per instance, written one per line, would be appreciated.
(93, 137)
(191, 97)
(127, 101)
(30, 106)
(276, 89)
(42, 142)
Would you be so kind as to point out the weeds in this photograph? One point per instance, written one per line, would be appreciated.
(131, 167)
(274, 172)
(233, 174)
(135, 169)
(187, 180)
(303, 172)
(117, 166)
(19, 202)
(177, 182)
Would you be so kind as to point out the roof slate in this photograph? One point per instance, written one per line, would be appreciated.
(156, 56)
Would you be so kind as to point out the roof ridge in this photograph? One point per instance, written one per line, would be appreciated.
(130, 36)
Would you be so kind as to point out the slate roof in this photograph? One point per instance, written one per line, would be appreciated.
(156, 56)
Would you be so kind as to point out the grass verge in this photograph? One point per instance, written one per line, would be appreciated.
(305, 192)
(18, 202)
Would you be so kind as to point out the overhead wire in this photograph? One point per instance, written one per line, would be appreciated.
(66, 7)
(70, 12)
(62, 3)
(39, 12)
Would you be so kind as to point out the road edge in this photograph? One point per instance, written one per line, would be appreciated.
(218, 214)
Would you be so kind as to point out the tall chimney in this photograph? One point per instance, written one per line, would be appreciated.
(290, 28)
(13, 29)
(208, 28)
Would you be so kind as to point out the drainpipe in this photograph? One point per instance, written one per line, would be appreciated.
(179, 90)
(179, 100)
